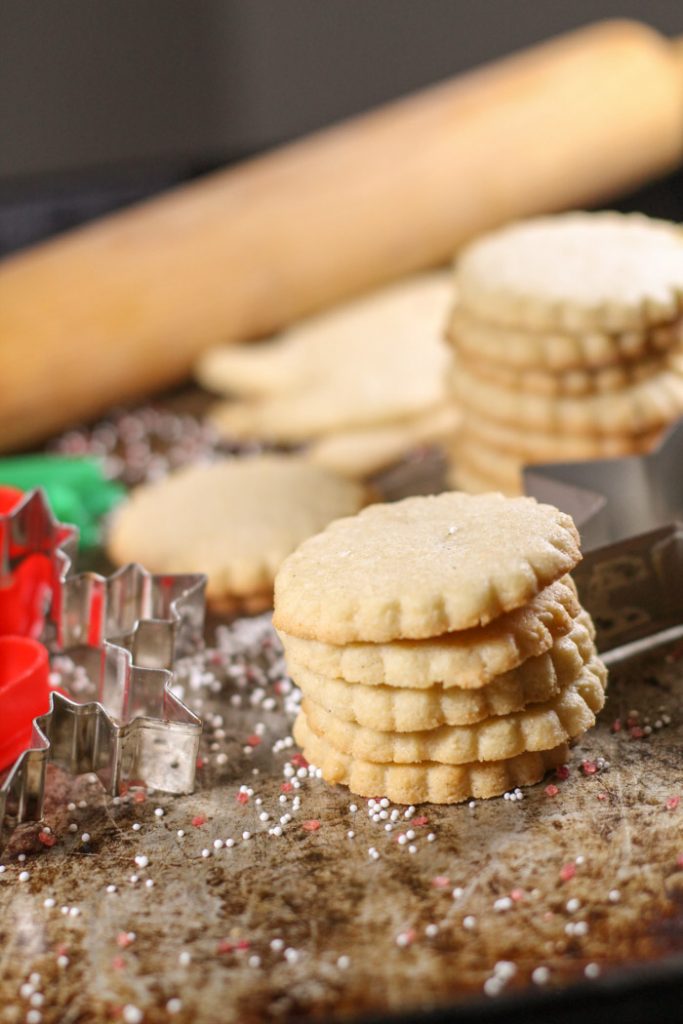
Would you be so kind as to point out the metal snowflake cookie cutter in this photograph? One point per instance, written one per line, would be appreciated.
(125, 631)
(629, 512)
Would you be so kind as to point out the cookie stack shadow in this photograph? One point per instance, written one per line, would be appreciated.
(405, 708)
(567, 336)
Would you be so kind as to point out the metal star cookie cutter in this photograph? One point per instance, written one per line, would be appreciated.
(629, 512)
(125, 631)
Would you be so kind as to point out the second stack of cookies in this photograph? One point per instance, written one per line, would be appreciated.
(567, 334)
(418, 693)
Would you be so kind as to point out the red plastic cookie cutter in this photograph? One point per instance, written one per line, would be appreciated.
(125, 631)
(24, 664)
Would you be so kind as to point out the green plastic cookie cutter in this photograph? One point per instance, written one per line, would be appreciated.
(76, 488)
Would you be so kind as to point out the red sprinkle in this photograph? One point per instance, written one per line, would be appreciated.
(672, 803)
(286, 787)
(419, 821)
(602, 796)
(517, 895)
(47, 839)
(552, 789)
(123, 940)
(118, 963)
(243, 944)
(562, 772)
(299, 761)
(441, 882)
(224, 946)
(198, 820)
(200, 763)
(242, 798)
(311, 826)
(253, 740)
(589, 767)
(637, 733)
(139, 797)
(567, 872)
(679, 860)
(616, 725)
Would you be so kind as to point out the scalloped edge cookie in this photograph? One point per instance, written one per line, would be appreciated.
(393, 709)
(468, 659)
(422, 567)
(539, 727)
(426, 783)
(523, 349)
(576, 272)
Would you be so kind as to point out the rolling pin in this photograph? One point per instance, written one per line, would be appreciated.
(123, 306)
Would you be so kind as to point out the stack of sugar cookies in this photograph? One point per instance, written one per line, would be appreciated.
(360, 385)
(440, 647)
(567, 335)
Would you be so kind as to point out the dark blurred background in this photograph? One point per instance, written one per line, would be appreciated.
(105, 101)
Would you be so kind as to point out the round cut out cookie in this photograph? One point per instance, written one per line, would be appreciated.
(236, 520)
(468, 659)
(545, 446)
(577, 272)
(422, 567)
(399, 709)
(422, 783)
(539, 727)
(523, 349)
(645, 406)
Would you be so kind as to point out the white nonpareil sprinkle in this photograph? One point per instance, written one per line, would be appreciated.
(431, 930)
(276, 945)
(502, 904)
(614, 896)
(136, 826)
(62, 961)
(254, 961)
(573, 905)
(132, 1014)
(343, 963)
(350, 834)
(493, 986)
(592, 970)
(505, 970)
(206, 853)
(469, 922)
(158, 812)
(85, 838)
(174, 1006)
(49, 902)
(24, 876)
(291, 955)
(141, 860)
(184, 958)
(540, 976)
(34, 1017)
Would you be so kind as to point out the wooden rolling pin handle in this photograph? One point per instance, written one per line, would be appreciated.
(123, 307)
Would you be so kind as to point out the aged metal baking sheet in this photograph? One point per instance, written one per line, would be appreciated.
(124, 915)
(265, 896)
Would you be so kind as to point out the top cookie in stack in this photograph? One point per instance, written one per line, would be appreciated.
(440, 646)
(567, 333)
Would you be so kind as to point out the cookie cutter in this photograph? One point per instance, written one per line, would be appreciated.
(613, 499)
(125, 631)
(629, 512)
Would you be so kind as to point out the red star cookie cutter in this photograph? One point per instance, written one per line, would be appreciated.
(125, 631)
